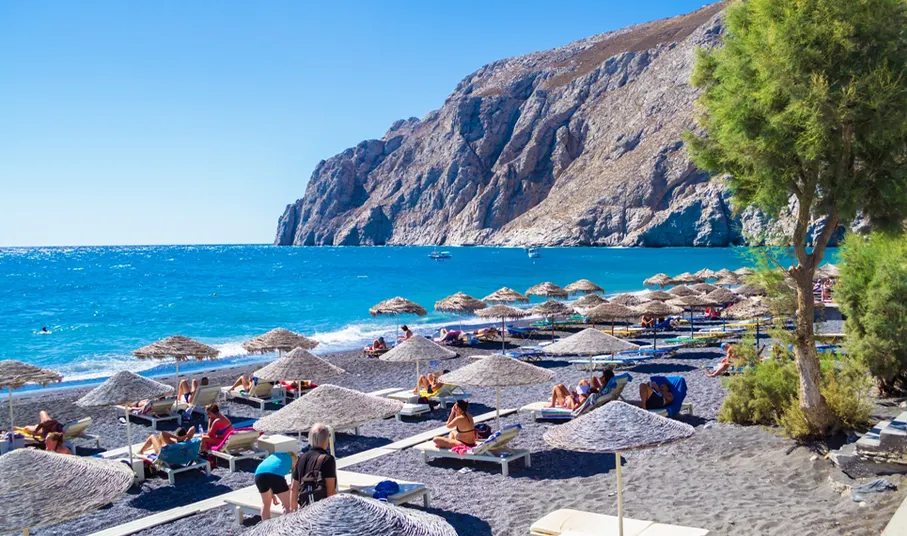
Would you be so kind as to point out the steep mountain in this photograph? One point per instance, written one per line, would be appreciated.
(580, 145)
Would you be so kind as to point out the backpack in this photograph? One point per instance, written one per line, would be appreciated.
(483, 431)
(312, 487)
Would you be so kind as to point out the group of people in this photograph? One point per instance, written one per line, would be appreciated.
(562, 397)
(219, 426)
(48, 432)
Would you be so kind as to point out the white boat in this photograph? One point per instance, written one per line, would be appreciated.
(534, 253)
(439, 255)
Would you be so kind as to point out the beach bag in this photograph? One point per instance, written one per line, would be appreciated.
(483, 431)
(312, 487)
(385, 489)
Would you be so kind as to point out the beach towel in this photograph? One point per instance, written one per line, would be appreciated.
(878, 485)
(385, 489)
(460, 449)
(180, 454)
(678, 387)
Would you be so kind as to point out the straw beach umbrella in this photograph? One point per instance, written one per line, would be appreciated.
(278, 340)
(503, 312)
(547, 290)
(691, 303)
(459, 304)
(16, 374)
(337, 407)
(724, 272)
(397, 306)
(589, 342)
(506, 295)
(723, 297)
(749, 291)
(124, 387)
(296, 366)
(743, 272)
(179, 348)
(659, 295)
(616, 427)
(78, 485)
(415, 349)
(609, 311)
(706, 274)
(498, 371)
(681, 291)
(704, 287)
(628, 300)
(659, 280)
(351, 515)
(657, 309)
(583, 286)
(551, 309)
(588, 301)
(686, 277)
(748, 310)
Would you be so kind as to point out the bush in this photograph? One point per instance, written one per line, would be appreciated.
(767, 394)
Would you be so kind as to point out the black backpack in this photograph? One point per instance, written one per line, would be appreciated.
(312, 487)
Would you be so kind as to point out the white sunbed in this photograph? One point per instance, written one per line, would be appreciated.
(247, 501)
(447, 395)
(261, 394)
(242, 445)
(492, 450)
(71, 431)
(578, 523)
(543, 411)
(161, 410)
(204, 396)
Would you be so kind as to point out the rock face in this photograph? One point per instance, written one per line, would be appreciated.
(579, 145)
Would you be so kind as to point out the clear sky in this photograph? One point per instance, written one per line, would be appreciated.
(197, 122)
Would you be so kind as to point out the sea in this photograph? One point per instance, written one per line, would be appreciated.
(100, 303)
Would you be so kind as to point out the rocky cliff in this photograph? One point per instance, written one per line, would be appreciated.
(579, 145)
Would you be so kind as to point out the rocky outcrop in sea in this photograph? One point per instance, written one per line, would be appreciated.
(580, 145)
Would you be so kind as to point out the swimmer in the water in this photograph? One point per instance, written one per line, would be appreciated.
(44, 329)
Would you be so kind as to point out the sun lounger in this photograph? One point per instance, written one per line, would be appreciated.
(678, 387)
(261, 394)
(204, 396)
(492, 450)
(412, 410)
(577, 523)
(179, 458)
(526, 353)
(447, 395)
(160, 410)
(247, 501)
(71, 431)
(239, 445)
(612, 391)
(521, 332)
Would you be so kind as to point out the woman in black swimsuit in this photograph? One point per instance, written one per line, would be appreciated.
(655, 396)
(462, 428)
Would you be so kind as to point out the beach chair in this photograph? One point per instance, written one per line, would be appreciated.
(71, 431)
(521, 332)
(612, 391)
(492, 450)
(375, 353)
(526, 353)
(157, 411)
(579, 523)
(412, 410)
(179, 458)
(237, 446)
(204, 396)
(678, 387)
(447, 395)
(602, 362)
(262, 393)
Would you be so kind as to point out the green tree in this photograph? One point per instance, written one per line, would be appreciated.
(807, 99)
(873, 294)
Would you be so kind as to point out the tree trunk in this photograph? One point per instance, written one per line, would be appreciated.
(812, 403)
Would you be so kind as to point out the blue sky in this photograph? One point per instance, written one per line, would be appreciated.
(197, 122)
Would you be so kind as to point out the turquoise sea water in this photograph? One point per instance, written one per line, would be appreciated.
(100, 303)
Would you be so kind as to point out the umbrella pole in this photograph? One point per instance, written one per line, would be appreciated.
(612, 327)
(497, 407)
(417, 376)
(691, 323)
(502, 336)
(177, 373)
(620, 496)
(129, 441)
(12, 427)
(757, 333)
(332, 443)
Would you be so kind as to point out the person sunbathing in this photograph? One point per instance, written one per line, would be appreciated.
(431, 383)
(655, 396)
(448, 337)
(186, 392)
(729, 357)
(487, 332)
(45, 426)
(599, 383)
(407, 333)
(462, 428)
(561, 397)
(647, 321)
(54, 443)
(246, 383)
(158, 441)
(218, 428)
(377, 345)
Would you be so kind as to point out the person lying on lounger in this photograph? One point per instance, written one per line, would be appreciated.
(158, 441)
(462, 428)
(561, 397)
(54, 443)
(377, 345)
(431, 383)
(186, 392)
(599, 383)
(487, 332)
(450, 336)
(246, 383)
(218, 428)
(655, 396)
(45, 426)
(729, 357)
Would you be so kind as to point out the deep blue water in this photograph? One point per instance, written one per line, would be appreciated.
(100, 303)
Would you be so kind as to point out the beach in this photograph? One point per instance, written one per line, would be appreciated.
(726, 478)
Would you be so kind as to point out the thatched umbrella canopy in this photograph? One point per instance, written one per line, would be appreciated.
(351, 515)
(724, 272)
(686, 277)
(459, 303)
(297, 366)
(628, 300)
(550, 309)
(747, 310)
(828, 271)
(682, 290)
(615, 427)
(743, 272)
(704, 287)
(583, 286)
(723, 296)
(547, 290)
(658, 295)
(417, 349)
(692, 303)
(179, 348)
(278, 340)
(609, 312)
(16, 374)
(589, 342)
(706, 274)
(589, 301)
(656, 309)
(728, 281)
(658, 280)
(503, 312)
(334, 406)
(397, 306)
(749, 291)
(124, 387)
(498, 371)
(506, 295)
(39, 488)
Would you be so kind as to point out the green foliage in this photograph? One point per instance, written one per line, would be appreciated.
(807, 98)
(872, 293)
(767, 395)
(746, 352)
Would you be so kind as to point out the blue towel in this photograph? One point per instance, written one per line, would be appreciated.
(678, 387)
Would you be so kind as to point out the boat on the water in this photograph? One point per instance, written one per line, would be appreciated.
(439, 255)
(533, 253)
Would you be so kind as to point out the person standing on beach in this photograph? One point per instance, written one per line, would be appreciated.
(315, 476)
(271, 481)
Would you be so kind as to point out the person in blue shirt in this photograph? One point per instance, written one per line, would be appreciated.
(271, 481)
